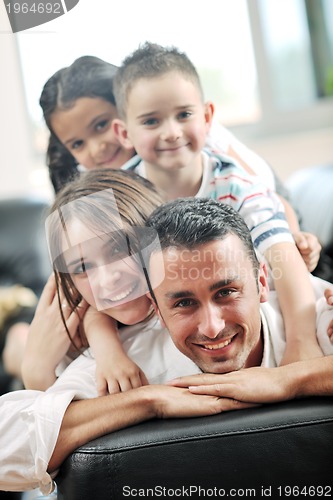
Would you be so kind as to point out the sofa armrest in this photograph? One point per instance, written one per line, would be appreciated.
(266, 447)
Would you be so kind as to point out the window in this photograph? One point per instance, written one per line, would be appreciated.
(266, 64)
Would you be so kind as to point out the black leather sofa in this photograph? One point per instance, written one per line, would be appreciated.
(283, 450)
(273, 448)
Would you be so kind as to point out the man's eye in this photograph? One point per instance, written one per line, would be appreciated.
(224, 293)
(102, 125)
(184, 303)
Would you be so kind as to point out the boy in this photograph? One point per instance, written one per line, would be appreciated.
(164, 117)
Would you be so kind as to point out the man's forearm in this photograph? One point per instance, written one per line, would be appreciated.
(88, 419)
(91, 418)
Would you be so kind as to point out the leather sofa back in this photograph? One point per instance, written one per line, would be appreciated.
(264, 448)
(23, 251)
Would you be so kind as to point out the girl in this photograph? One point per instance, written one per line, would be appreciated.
(90, 231)
(79, 107)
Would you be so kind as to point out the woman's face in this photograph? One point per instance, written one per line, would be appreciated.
(85, 129)
(105, 275)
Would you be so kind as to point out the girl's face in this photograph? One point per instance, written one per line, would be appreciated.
(85, 130)
(105, 275)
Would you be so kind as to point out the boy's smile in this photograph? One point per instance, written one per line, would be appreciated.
(167, 123)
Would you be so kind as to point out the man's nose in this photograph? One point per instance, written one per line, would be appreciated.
(171, 131)
(211, 321)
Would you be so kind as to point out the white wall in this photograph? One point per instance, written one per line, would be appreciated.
(16, 152)
(289, 153)
(18, 162)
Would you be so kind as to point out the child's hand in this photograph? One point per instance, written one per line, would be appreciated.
(119, 375)
(309, 247)
(329, 300)
(115, 371)
(48, 341)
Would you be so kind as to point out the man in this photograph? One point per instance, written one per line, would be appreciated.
(219, 327)
(216, 304)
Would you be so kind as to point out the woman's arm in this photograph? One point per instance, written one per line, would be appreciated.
(48, 341)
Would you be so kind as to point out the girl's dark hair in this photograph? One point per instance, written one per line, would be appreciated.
(61, 163)
(87, 76)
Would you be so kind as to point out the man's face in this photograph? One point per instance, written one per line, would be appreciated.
(209, 301)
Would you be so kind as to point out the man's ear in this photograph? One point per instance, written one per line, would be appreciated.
(209, 113)
(120, 131)
(263, 282)
(156, 309)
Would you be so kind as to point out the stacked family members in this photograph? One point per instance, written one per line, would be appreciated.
(79, 109)
(162, 269)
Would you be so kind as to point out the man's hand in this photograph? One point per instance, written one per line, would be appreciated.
(251, 385)
(177, 402)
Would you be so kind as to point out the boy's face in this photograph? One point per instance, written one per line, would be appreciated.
(166, 121)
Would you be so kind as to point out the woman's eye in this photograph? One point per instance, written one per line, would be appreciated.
(119, 252)
(80, 269)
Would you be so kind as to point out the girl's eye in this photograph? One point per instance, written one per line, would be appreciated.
(102, 125)
(76, 144)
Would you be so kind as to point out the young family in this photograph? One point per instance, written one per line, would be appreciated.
(163, 281)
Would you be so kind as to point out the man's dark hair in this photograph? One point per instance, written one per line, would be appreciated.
(189, 222)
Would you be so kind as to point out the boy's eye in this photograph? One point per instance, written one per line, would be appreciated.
(102, 125)
(150, 122)
(184, 115)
